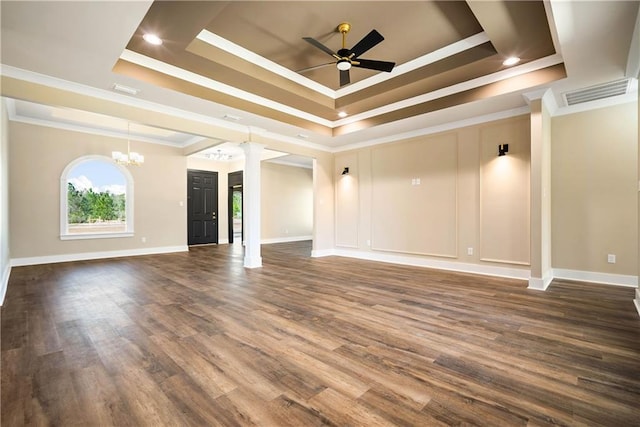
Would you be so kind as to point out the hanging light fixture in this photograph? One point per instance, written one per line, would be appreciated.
(131, 158)
(219, 156)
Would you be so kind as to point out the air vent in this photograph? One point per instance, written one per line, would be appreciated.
(125, 89)
(607, 90)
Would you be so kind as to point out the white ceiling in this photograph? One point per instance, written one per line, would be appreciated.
(75, 45)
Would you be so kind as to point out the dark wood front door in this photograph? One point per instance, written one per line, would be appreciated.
(202, 207)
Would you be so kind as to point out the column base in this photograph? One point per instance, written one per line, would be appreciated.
(254, 262)
(540, 284)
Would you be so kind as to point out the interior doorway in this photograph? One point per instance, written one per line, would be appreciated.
(202, 207)
(235, 200)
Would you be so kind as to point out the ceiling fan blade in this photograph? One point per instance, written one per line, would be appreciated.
(315, 67)
(344, 77)
(320, 46)
(374, 65)
(369, 41)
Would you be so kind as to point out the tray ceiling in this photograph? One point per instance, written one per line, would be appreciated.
(245, 55)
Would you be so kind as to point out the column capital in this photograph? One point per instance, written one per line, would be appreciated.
(252, 147)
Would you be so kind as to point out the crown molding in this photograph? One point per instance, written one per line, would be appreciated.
(437, 129)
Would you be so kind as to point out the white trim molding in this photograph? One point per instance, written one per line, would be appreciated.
(636, 301)
(285, 239)
(460, 267)
(540, 284)
(595, 277)
(85, 256)
(319, 253)
(4, 283)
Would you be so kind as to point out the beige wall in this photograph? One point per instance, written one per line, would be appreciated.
(411, 216)
(323, 191)
(286, 202)
(466, 197)
(594, 180)
(160, 187)
(5, 254)
(504, 192)
(38, 156)
(348, 190)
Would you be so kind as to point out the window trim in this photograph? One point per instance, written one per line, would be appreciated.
(64, 208)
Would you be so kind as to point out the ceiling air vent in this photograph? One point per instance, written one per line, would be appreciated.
(607, 90)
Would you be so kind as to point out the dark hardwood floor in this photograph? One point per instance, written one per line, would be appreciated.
(195, 339)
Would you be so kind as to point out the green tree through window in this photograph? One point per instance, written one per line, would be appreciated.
(87, 206)
(96, 198)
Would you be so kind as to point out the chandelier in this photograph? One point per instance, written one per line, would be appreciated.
(130, 158)
(219, 155)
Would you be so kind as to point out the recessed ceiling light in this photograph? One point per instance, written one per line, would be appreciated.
(342, 114)
(302, 135)
(152, 38)
(512, 60)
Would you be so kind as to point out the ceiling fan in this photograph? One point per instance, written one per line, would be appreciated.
(347, 58)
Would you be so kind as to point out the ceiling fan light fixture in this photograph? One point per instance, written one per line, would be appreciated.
(343, 65)
(342, 114)
(347, 58)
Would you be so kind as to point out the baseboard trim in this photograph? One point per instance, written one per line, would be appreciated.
(322, 253)
(4, 283)
(460, 267)
(285, 239)
(540, 284)
(637, 304)
(594, 277)
(85, 256)
(223, 241)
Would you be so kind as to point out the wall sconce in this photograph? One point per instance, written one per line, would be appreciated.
(503, 149)
(345, 171)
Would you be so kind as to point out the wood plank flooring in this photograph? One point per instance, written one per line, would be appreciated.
(195, 339)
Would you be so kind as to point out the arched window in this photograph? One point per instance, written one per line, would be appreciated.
(96, 199)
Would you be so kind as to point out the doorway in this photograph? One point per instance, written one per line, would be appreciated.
(202, 207)
(236, 209)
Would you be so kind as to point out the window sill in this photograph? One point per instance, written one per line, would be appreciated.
(85, 236)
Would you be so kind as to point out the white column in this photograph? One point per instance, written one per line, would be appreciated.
(541, 271)
(251, 202)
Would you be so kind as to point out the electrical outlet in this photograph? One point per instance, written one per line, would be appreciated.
(144, 239)
(611, 259)
(369, 243)
(469, 251)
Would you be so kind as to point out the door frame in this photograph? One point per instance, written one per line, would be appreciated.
(234, 181)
